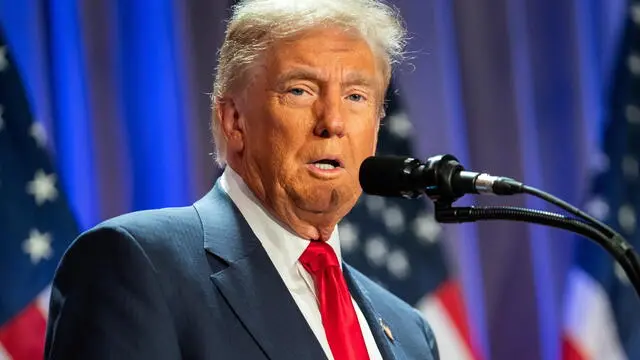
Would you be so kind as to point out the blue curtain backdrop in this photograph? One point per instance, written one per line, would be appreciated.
(513, 87)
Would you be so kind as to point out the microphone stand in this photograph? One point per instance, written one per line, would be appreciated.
(443, 179)
(585, 225)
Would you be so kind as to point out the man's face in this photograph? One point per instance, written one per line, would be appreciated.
(308, 118)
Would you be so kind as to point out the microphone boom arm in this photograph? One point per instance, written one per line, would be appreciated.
(620, 250)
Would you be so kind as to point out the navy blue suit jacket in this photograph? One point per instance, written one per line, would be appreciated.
(195, 283)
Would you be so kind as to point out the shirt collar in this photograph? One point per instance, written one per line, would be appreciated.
(283, 246)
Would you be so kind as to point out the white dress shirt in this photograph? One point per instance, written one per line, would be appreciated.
(284, 248)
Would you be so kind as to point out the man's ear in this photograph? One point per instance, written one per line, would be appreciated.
(230, 124)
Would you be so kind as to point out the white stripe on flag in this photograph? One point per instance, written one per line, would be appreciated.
(589, 320)
(42, 301)
(450, 344)
(3, 353)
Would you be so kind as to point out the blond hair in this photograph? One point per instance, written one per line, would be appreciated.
(256, 23)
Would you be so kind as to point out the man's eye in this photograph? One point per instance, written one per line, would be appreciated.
(356, 97)
(297, 92)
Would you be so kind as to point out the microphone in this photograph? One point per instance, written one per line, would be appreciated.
(441, 177)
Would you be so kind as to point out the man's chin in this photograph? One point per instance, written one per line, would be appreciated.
(327, 201)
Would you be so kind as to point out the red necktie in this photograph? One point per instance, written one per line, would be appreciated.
(338, 315)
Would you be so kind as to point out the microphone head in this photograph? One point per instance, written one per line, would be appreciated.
(389, 176)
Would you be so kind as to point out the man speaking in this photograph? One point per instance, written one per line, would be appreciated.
(253, 269)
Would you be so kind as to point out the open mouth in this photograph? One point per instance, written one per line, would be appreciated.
(327, 164)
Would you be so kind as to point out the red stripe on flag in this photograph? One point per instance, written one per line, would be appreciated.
(571, 350)
(451, 299)
(23, 336)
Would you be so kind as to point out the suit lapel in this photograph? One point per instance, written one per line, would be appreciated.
(389, 349)
(264, 305)
(251, 284)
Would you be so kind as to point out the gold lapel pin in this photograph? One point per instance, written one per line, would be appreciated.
(387, 330)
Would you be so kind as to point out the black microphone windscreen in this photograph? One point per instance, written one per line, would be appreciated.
(385, 175)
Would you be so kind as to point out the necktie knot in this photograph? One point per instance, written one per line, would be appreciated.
(318, 256)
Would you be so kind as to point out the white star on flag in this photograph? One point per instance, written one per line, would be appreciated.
(42, 187)
(348, 236)
(38, 246)
(3, 58)
(374, 204)
(634, 64)
(426, 228)
(627, 218)
(376, 250)
(393, 219)
(38, 133)
(400, 125)
(632, 113)
(635, 13)
(398, 264)
(598, 208)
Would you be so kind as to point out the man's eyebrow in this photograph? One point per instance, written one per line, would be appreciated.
(299, 73)
(357, 78)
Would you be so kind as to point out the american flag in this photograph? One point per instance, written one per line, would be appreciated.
(602, 309)
(36, 224)
(397, 242)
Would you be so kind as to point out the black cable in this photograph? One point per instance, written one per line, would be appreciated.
(568, 207)
(630, 255)
(621, 251)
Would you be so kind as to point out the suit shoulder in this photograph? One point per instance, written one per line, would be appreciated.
(151, 226)
(160, 233)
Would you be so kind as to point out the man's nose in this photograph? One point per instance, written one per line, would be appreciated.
(330, 122)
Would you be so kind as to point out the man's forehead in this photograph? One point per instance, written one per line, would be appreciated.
(305, 58)
(307, 45)
(349, 74)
